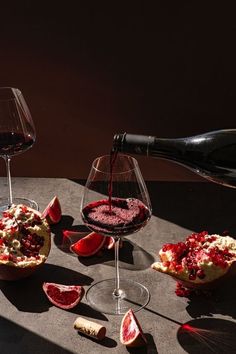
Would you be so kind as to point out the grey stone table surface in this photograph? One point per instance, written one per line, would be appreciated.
(30, 324)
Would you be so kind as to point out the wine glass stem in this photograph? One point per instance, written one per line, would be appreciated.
(116, 291)
(8, 161)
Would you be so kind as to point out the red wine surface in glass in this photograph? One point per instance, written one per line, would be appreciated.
(126, 216)
(14, 143)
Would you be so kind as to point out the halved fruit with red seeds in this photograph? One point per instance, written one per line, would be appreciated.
(63, 296)
(52, 212)
(202, 261)
(25, 241)
(131, 333)
(88, 245)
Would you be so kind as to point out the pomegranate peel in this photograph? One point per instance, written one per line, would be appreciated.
(88, 245)
(25, 242)
(52, 212)
(202, 261)
(131, 333)
(63, 296)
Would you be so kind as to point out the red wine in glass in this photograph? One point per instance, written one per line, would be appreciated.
(14, 143)
(116, 203)
(126, 216)
(17, 134)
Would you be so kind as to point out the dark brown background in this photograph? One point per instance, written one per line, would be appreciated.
(91, 69)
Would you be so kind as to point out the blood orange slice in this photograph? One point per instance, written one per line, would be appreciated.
(63, 296)
(52, 212)
(131, 333)
(109, 242)
(88, 245)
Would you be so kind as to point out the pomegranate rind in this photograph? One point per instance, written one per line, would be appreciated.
(20, 268)
(88, 245)
(60, 294)
(52, 213)
(131, 333)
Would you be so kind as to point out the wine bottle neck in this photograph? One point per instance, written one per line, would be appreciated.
(147, 145)
(133, 144)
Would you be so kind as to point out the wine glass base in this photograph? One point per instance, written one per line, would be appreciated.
(4, 205)
(131, 295)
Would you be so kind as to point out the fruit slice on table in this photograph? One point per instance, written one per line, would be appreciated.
(25, 242)
(88, 245)
(109, 242)
(70, 237)
(131, 333)
(52, 212)
(63, 296)
(202, 261)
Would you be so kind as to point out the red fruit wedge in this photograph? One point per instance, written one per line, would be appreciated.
(131, 333)
(64, 296)
(72, 236)
(88, 245)
(52, 212)
(109, 242)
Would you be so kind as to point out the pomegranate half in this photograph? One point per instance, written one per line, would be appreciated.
(25, 242)
(202, 261)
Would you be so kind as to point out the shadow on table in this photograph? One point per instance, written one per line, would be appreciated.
(195, 206)
(208, 335)
(131, 256)
(17, 339)
(106, 342)
(150, 348)
(19, 293)
(219, 301)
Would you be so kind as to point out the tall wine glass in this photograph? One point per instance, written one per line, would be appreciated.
(17, 134)
(116, 203)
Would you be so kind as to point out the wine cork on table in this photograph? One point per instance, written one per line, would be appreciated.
(90, 328)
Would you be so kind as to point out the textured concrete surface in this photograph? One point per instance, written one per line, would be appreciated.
(30, 324)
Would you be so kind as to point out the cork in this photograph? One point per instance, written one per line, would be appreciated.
(90, 328)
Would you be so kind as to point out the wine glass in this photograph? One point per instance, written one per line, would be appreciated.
(17, 134)
(116, 203)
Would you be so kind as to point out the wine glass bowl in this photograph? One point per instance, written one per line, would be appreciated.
(116, 203)
(17, 134)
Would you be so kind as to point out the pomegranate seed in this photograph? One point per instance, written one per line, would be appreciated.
(192, 276)
(181, 290)
(178, 268)
(4, 257)
(201, 274)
